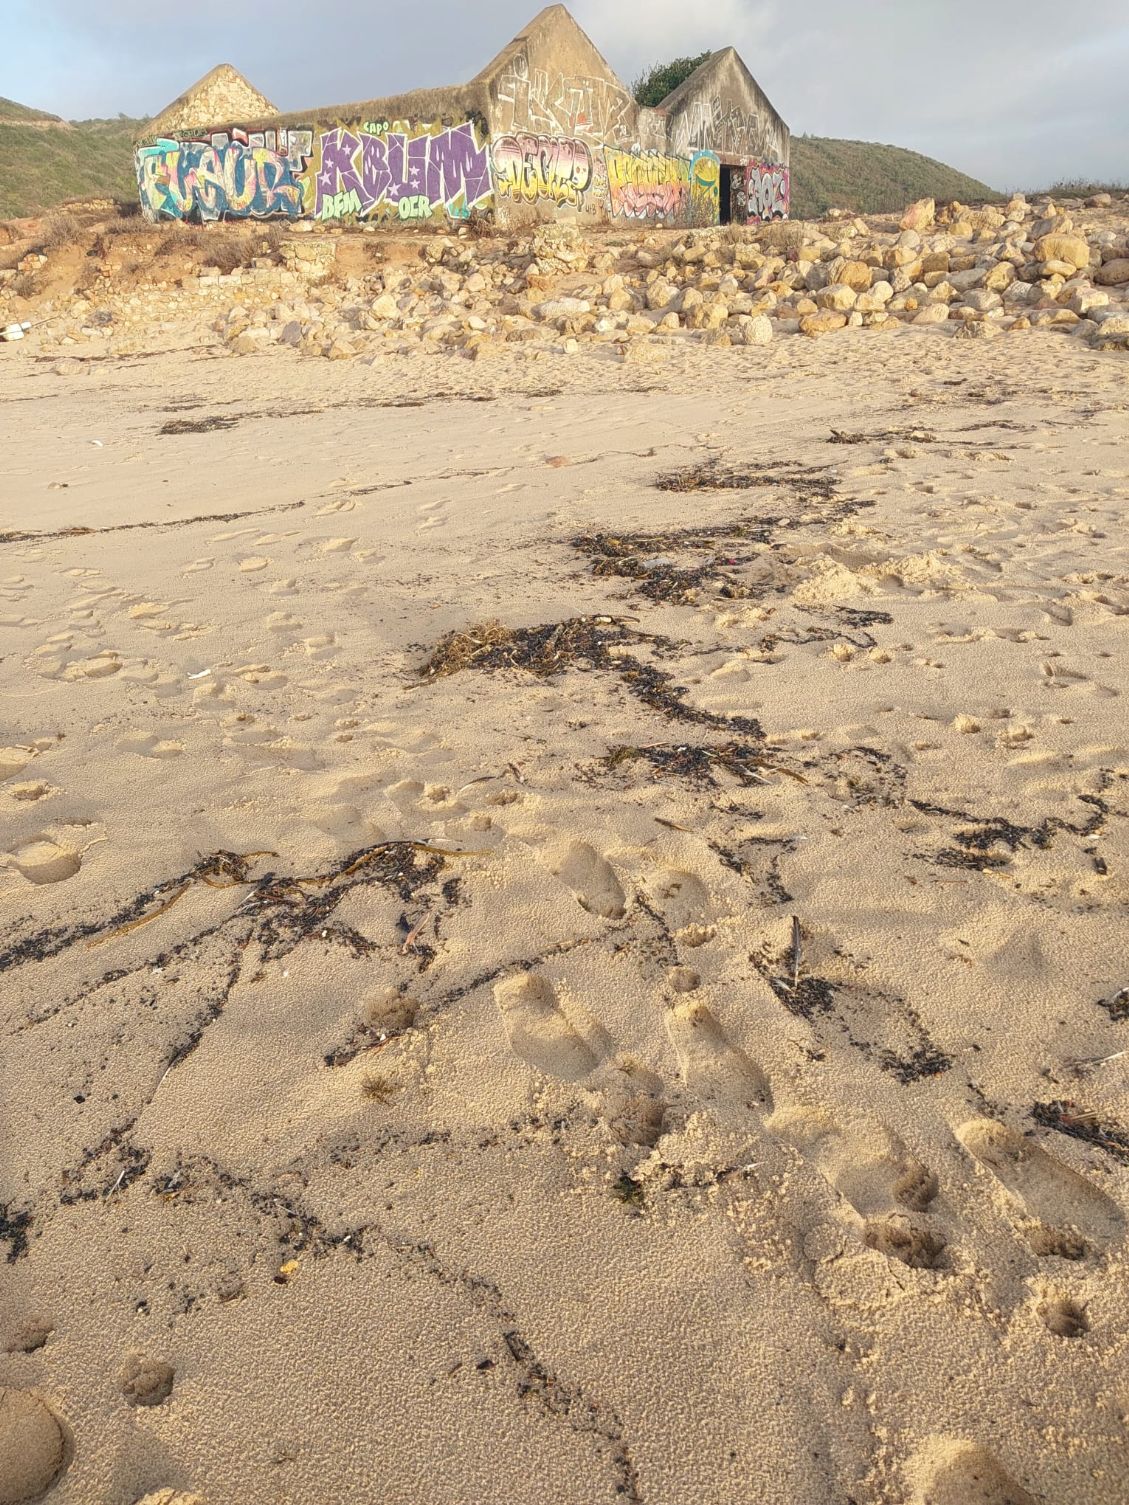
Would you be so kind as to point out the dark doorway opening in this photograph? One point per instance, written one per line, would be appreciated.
(726, 206)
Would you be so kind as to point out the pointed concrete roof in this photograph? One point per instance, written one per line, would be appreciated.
(702, 75)
(559, 19)
(223, 94)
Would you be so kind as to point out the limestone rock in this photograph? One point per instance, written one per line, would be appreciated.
(1073, 249)
(758, 331)
(563, 308)
(385, 307)
(854, 274)
(919, 216)
(32, 1446)
(822, 322)
(1086, 299)
(837, 296)
(1114, 274)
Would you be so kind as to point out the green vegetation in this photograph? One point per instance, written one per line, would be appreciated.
(10, 110)
(871, 179)
(1078, 188)
(652, 87)
(47, 164)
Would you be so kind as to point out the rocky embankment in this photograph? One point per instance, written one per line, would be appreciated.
(971, 273)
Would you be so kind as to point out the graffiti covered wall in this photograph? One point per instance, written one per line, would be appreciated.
(529, 168)
(546, 130)
(228, 175)
(404, 172)
(768, 191)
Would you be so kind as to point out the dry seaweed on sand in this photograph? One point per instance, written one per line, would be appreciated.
(584, 643)
(1067, 1117)
(715, 475)
(909, 436)
(649, 559)
(696, 763)
(576, 643)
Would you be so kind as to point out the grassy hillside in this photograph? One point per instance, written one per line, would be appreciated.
(870, 178)
(45, 161)
(42, 165)
(10, 110)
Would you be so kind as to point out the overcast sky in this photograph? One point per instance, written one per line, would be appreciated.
(1018, 93)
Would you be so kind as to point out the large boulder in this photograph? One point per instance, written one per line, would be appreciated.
(920, 216)
(1073, 249)
(837, 296)
(1114, 274)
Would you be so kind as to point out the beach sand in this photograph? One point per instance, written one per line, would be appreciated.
(651, 1078)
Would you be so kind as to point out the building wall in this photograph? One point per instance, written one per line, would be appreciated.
(547, 130)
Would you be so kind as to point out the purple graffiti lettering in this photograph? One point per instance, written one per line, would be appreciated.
(338, 172)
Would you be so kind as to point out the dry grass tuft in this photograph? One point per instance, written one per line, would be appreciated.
(377, 1088)
(229, 250)
(62, 230)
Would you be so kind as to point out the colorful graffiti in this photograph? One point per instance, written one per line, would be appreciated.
(705, 188)
(647, 185)
(225, 176)
(768, 190)
(532, 99)
(408, 173)
(528, 168)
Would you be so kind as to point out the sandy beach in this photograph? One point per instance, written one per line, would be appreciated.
(563, 922)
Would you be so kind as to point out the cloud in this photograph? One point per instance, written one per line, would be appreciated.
(1004, 89)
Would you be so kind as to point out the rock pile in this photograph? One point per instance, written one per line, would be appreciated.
(972, 273)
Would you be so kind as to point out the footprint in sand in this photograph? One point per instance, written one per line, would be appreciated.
(874, 1172)
(538, 1031)
(1068, 1212)
(148, 746)
(712, 1066)
(14, 760)
(951, 1472)
(429, 514)
(1062, 1316)
(252, 565)
(33, 1446)
(685, 903)
(44, 860)
(592, 881)
(101, 666)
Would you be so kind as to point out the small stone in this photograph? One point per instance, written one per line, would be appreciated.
(1114, 273)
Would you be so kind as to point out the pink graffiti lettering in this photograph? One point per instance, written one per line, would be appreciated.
(768, 189)
(528, 168)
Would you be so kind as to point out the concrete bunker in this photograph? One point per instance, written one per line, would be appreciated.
(545, 131)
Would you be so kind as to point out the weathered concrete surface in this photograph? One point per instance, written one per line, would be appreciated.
(222, 94)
